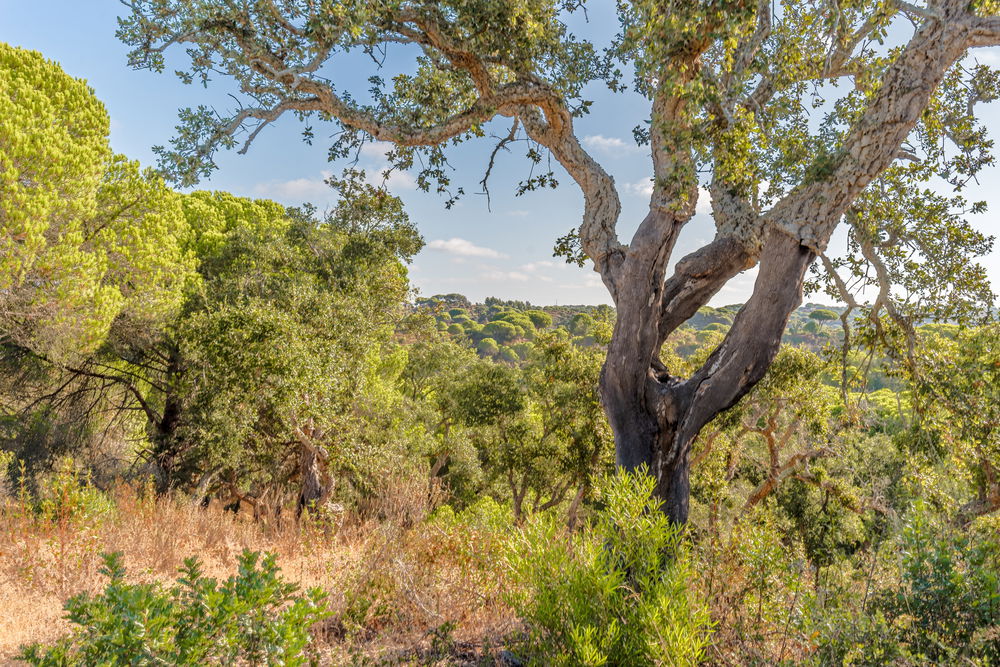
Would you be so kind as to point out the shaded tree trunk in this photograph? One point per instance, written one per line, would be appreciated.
(316, 486)
(166, 448)
(656, 416)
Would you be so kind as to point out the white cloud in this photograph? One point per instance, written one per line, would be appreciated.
(590, 281)
(374, 162)
(297, 190)
(376, 150)
(398, 180)
(610, 145)
(506, 276)
(986, 56)
(704, 205)
(644, 188)
(463, 248)
(534, 267)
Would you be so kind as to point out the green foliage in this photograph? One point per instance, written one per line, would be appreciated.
(823, 315)
(539, 318)
(508, 355)
(66, 494)
(581, 324)
(520, 320)
(958, 384)
(254, 618)
(487, 347)
(948, 602)
(617, 594)
(292, 313)
(87, 238)
(524, 38)
(501, 331)
(941, 608)
(490, 394)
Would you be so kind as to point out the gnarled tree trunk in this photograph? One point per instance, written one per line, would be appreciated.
(655, 416)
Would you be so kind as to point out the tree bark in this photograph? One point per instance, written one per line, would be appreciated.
(315, 482)
(655, 416)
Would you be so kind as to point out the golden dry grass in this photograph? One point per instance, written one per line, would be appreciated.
(392, 578)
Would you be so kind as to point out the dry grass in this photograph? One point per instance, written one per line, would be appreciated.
(396, 583)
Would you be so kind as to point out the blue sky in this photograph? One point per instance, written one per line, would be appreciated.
(504, 250)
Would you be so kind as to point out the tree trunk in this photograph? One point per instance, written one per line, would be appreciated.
(166, 448)
(316, 485)
(655, 416)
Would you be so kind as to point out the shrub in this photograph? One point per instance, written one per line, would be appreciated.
(616, 594)
(943, 609)
(581, 324)
(252, 618)
(501, 331)
(823, 315)
(487, 347)
(508, 355)
(947, 608)
(67, 494)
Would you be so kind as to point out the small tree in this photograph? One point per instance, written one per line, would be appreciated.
(539, 318)
(487, 347)
(822, 315)
(501, 331)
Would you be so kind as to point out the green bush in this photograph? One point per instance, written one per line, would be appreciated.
(508, 355)
(252, 618)
(68, 494)
(616, 594)
(487, 347)
(540, 319)
(943, 607)
(947, 607)
(823, 315)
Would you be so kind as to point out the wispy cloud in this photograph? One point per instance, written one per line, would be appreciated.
(542, 265)
(644, 188)
(297, 190)
(376, 150)
(463, 248)
(989, 56)
(505, 276)
(590, 281)
(397, 180)
(374, 162)
(704, 205)
(315, 190)
(610, 145)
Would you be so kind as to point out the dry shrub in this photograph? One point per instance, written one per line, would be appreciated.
(397, 580)
(758, 592)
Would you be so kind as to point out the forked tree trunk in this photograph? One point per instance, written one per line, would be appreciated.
(656, 417)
